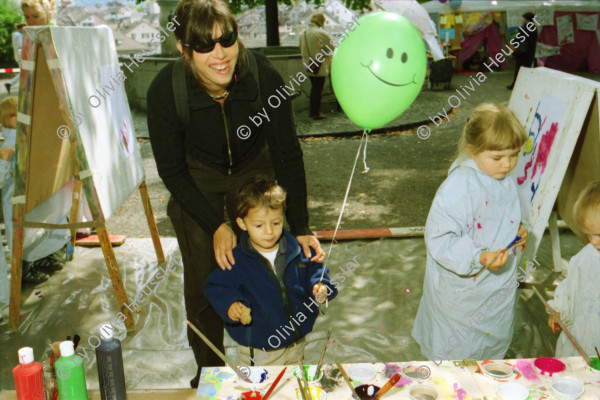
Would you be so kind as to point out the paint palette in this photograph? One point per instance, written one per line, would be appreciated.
(566, 388)
(256, 375)
(498, 370)
(362, 372)
(423, 392)
(549, 366)
(512, 391)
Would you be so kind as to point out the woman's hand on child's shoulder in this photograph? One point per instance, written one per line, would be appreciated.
(494, 260)
(7, 152)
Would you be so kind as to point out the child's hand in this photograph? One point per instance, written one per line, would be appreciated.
(553, 323)
(320, 293)
(523, 233)
(7, 152)
(239, 312)
(494, 260)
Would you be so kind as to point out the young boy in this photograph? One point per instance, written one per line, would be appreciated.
(268, 299)
(577, 298)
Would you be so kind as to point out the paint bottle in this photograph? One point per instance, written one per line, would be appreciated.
(111, 376)
(29, 377)
(70, 377)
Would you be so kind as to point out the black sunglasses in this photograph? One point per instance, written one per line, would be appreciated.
(227, 40)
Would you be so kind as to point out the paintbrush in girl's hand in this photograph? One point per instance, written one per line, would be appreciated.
(578, 347)
(318, 371)
(515, 240)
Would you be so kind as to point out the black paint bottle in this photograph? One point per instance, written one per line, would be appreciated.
(109, 357)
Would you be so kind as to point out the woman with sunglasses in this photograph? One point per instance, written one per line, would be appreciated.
(204, 163)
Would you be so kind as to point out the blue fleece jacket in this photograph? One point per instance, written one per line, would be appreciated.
(282, 311)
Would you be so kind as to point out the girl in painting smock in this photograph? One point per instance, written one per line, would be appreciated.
(469, 294)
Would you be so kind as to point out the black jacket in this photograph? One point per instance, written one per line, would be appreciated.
(213, 130)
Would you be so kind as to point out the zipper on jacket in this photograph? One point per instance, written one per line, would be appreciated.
(227, 137)
(282, 289)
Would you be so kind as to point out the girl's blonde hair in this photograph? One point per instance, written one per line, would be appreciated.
(587, 207)
(491, 127)
(45, 7)
(8, 108)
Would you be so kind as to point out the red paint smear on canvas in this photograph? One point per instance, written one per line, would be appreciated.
(478, 225)
(545, 147)
(460, 393)
(521, 179)
(526, 369)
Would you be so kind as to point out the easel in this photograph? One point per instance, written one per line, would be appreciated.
(45, 105)
(573, 161)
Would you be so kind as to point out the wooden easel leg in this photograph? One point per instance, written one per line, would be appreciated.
(151, 222)
(75, 212)
(555, 241)
(16, 267)
(115, 276)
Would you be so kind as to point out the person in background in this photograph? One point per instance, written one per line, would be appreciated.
(17, 43)
(204, 163)
(475, 214)
(577, 298)
(524, 54)
(312, 41)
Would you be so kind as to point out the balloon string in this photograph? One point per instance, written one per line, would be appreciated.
(365, 152)
(344, 203)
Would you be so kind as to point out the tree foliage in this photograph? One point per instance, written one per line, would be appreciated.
(8, 18)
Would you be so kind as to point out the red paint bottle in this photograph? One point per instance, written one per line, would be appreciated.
(29, 377)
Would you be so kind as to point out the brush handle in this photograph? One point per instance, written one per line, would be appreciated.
(390, 384)
(222, 356)
(347, 379)
(318, 371)
(266, 396)
(564, 328)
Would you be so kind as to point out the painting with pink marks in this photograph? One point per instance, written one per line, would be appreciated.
(541, 135)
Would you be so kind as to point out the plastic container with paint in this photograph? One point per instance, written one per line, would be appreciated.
(366, 392)
(362, 372)
(549, 366)
(595, 364)
(512, 391)
(423, 392)
(29, 377)
(567, 388)
(309, 373)
(316, 393)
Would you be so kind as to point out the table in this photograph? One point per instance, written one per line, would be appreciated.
(458, 380)
(172, 394)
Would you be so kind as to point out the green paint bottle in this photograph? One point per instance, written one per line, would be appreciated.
(70, 377)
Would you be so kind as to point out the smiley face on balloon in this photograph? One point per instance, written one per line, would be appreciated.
(379, 69)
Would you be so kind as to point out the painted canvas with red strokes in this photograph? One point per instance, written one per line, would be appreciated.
(542, 130)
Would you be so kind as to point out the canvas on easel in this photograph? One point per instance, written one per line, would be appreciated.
(559, 115)
(61, 67)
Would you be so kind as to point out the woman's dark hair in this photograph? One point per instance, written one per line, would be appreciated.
(196, 20)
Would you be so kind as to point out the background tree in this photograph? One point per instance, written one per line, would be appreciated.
(9, 15)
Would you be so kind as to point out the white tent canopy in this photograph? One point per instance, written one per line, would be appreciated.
(434, 6)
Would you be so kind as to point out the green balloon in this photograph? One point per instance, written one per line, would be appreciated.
(378, 69)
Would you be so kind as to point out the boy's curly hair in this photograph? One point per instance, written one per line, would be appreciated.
(260, 191)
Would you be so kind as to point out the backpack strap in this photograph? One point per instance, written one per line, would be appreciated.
(180, 92)
(257, 103)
